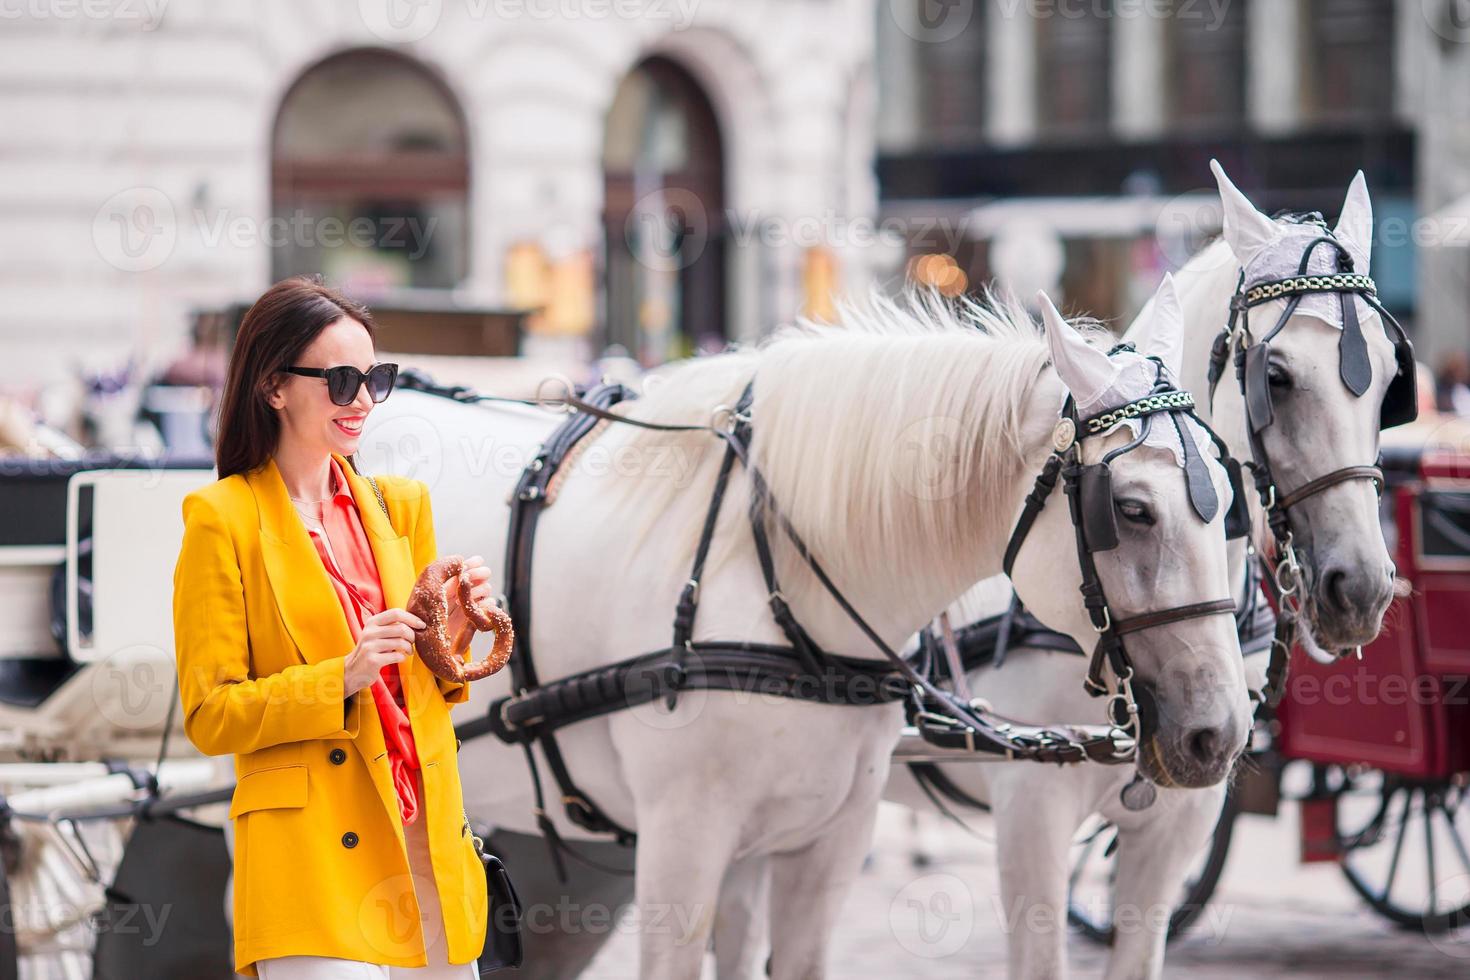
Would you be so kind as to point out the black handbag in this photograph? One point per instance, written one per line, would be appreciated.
(503, 947)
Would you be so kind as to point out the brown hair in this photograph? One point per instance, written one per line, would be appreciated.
(276, 329)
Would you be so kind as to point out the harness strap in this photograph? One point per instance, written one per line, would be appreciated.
(1178, 614)
(1331, 480)
(527, 503)
(688, 604)
(1046, 482)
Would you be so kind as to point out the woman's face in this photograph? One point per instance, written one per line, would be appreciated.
(309, 419)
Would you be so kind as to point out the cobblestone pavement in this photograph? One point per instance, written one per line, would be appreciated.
(1271, 917)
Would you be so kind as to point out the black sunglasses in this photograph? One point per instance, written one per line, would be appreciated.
(344, 380)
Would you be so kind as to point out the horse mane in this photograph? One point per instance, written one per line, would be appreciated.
(854, 421)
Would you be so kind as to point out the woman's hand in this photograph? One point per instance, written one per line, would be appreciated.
(387, 638)
(478, 573)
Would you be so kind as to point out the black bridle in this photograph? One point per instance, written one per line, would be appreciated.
(1252, 363)
(1088, 487)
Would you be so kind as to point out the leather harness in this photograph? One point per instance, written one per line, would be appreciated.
(801, 670)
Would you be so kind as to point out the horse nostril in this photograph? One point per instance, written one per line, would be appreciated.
(1204, 744)
(1333, 588)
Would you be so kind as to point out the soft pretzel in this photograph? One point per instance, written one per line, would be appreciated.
(442, 654)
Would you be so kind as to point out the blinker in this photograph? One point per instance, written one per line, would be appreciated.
(1238, 517)
(1099, 520)
(1258, 386)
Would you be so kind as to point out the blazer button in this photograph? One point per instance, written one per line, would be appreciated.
(349, 839)
(337, 756)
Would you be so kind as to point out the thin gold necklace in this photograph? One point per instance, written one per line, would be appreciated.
(330, 493)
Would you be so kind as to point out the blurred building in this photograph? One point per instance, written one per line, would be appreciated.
(1070, 139)
(629, 171)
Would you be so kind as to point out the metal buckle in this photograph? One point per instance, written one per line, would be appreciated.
(561, 402)
(1287, 571)
(505, 722)
(724, 419)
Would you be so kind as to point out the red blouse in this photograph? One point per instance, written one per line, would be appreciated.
(354, 576)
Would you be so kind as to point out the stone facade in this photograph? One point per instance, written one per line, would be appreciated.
(135, 142)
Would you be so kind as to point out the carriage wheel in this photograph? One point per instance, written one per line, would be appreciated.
(1406, 849)
(1097, 858)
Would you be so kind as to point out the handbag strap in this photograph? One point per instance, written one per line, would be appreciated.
(381, 502)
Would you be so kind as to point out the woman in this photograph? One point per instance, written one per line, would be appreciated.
(353, 854)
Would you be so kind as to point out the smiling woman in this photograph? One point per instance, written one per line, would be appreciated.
(289, 619)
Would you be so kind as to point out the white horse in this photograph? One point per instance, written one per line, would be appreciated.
(1319, 427)
(900, 446)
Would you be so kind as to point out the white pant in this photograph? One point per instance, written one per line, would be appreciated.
(432, 918)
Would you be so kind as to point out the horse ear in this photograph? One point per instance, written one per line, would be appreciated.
(1355, 225)
(1086, 371)
(1246, 229)
(1163, 333)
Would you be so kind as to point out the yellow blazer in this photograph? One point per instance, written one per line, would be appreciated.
(261, 641)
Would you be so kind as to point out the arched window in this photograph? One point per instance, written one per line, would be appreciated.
(664, 215)
(370, 176)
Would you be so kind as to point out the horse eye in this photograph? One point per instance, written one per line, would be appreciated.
(1136, 511)
(1277, 376)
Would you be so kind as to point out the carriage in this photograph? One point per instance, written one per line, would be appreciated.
(1373, 754)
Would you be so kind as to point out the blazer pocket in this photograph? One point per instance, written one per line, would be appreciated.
(263, 789)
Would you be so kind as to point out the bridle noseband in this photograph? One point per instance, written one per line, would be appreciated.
(1252, 363)
(1090, 503)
